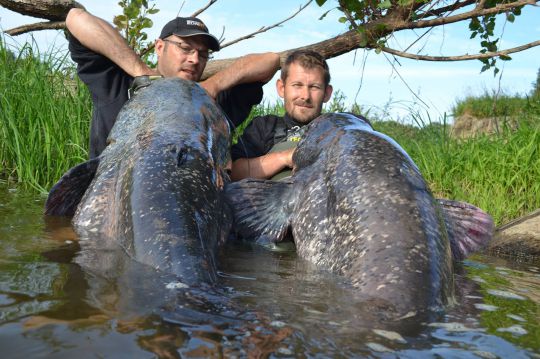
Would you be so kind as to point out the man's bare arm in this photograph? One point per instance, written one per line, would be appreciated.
(246, 69)
(262, 167)
(98, 35)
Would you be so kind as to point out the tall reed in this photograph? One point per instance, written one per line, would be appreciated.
(44, 116)
(500, 173)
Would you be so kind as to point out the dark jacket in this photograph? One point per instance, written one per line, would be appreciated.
(262, 134)
(109, 86)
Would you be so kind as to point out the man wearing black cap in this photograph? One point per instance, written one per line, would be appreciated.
(108, 66)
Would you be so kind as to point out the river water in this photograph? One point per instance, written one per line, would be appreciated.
(61, 298)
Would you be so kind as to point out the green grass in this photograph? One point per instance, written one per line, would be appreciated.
(497, 173)
(493, 105)
(44, 117)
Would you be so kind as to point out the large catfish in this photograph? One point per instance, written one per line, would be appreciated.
(156, 190)
(358, 206)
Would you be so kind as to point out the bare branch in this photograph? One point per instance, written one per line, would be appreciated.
(347, 15)
(405, 82)
(464, 16)
(265, 28)
(48, 25)
(198, 12)
(449, 8)
(462, 57)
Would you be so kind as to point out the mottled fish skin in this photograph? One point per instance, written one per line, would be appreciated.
(364, 211)
(158, 188)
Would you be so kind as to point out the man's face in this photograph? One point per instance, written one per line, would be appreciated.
(304, 92)
(183, 57)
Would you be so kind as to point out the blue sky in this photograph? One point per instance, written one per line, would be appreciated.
(364, 77)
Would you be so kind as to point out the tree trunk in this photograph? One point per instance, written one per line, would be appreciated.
(54, 10)
(329, 48)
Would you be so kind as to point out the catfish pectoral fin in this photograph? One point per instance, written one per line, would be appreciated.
(469, 227)
(65, 195)
(261, 208)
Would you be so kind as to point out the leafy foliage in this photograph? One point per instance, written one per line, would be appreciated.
(361, 13)
(132, 23)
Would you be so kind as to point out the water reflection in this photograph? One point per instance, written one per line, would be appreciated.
(63, 298)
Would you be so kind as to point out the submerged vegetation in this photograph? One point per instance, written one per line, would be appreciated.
(45, 114)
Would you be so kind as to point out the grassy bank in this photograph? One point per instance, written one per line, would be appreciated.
(44, 121)
(44, 117)
(498, 105)
(498, 173)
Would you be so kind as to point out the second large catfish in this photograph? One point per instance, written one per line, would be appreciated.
(358, 206)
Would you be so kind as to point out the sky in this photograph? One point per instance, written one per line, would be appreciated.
(379, 83)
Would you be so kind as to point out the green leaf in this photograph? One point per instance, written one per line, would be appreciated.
(120, 21)
(320, 2)
(474, 25)
(385, 4)
(405, 2)
(120, 24)
(131, 12)
(363, 37)
(342, 19)
(147, 23)
(510, 17)
(490, 26)
(324, 15)
(505, 58)
(381, 28)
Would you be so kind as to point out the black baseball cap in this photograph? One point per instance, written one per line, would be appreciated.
(189, 26)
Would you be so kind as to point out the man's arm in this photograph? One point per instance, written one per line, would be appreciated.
(99, 36)
(246, 69)
(262, 167)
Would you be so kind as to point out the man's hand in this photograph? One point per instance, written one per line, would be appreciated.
(287, 157)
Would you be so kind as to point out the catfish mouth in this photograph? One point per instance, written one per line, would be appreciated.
(186, 256)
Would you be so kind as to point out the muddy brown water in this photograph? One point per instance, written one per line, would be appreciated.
(60, 298)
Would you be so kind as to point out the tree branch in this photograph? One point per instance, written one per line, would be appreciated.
(48, 25)
(45, 9)
(445, 9)
(265, 28)
(198, 12)
(463, 16)
(462, 57)
(348, 15)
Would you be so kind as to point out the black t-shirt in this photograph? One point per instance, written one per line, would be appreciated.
(109, 86)
(261, 134)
